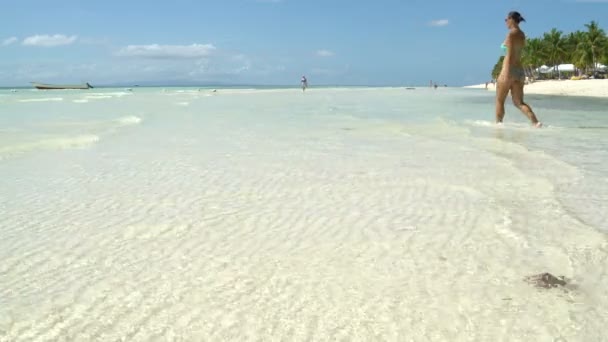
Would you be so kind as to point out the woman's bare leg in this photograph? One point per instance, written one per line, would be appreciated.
(517, 94)
(502, 90)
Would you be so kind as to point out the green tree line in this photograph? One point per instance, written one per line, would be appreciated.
(582, 48)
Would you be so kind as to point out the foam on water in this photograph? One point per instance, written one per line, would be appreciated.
(46, 143)
(32, 126)
(44, 99)
(129, 120)
(371, 214)
(511, 126)
(98, 97)
(120, 93)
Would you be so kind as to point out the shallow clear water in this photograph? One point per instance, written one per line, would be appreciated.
(356, 213)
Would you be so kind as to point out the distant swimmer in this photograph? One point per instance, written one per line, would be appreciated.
(512, 76)
(304, 83)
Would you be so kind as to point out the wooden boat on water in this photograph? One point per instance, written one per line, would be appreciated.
(43, 86)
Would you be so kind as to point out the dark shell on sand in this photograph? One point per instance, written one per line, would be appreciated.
(546, 280)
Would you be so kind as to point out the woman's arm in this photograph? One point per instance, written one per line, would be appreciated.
(510, 55)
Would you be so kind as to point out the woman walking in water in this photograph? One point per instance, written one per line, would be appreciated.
(512, 76)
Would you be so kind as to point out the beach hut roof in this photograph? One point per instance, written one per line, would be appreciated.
(566, 67)
(543, 68)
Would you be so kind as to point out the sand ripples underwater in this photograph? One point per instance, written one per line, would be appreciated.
(275, 232)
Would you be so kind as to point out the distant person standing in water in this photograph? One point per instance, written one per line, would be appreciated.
(304, 83)
(512, 76)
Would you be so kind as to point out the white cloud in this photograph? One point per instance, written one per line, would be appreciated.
(439, 22)
(167, 51)
(9, 41)
(49, 41)
(324, 53)
(226, 66)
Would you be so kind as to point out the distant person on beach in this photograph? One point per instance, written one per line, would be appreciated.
(304, 83)
(512, 76)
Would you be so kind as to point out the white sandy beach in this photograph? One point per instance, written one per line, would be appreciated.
(592, 88)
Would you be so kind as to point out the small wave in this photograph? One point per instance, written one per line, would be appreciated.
(122, 93)
(487, 123)
(53, 143)
(510, 125)
(81, 101)
(98, 97)
(78, 141)
(592, 127)
(129, 120)
(45, 99)
(483, 123)
(183, 104)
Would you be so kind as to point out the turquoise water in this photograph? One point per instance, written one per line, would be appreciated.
(224, 211)
(34, 122)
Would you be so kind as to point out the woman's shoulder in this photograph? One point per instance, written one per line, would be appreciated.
(516, 35)
(519, 33)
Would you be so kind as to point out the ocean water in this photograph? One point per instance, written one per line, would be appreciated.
(271, 214)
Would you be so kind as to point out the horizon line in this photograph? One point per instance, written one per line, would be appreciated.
(211, 85)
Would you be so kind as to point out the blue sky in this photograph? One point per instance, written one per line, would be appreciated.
(275, 42)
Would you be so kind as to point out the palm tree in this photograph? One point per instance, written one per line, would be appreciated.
(555, 46)
(605, 52)
(578, 50)
(604, 59)
(596, 38)
(532, 55)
